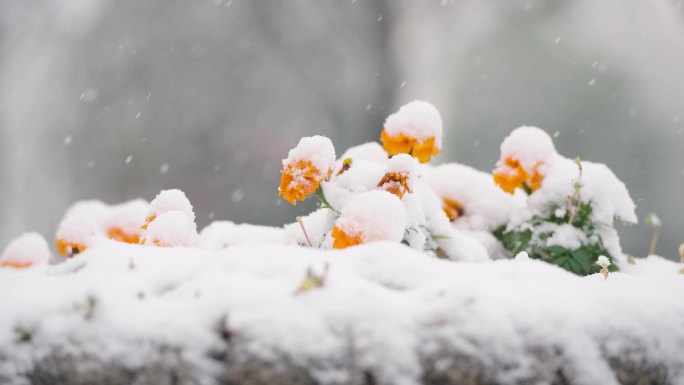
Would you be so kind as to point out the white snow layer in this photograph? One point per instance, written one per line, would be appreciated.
(374, 216)
(113, 300)
(172, 229)
(171, 200)
(317, 149)
(29, 248)
(417, 119)
(529, 146)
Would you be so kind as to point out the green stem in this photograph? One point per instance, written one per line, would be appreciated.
(323, 200)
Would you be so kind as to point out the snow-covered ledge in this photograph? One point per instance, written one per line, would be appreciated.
(128, 314)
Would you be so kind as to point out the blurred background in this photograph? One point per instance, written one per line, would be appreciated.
(118, 99)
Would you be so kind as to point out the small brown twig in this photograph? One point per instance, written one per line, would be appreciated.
(653, 221)
(306, 235)
(577, 194)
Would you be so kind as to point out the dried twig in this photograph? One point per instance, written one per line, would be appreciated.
(306, 235)
(577, 194)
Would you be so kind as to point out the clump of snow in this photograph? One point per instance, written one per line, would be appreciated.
(128, 216)
(530, 146)
(171, 200)
(653, 220)
(603, 261)
(222, 234)
(608, 195)
(419, 120)
(485, 205)
(374, 216)
(317, 224)
(172, 229)
(29, 249)
(78, 229)
(317, 149)
(402, 163)
(371, 151)
(522, 256)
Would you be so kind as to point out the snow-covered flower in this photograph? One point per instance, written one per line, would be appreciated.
(523, 154)
(74, 234)
(120, 222)
(371, 216)
(169, 200)
(397, 179)
(28, 250)
(305, 167)
(603, 261)
(415, 129)
(124, 220)
(172, 229)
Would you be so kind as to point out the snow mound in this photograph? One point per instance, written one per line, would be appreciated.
(485, 206)
(172, 229)
(171, 200)
(317, 149)
(117, 301)
(419, 120)
(373, 216)
(29, 249)
(528, 145)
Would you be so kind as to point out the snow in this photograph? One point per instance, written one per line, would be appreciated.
(92, 217)
(522, 256)
(172, 229)
(387, 297)
(78, 229)
(402, 163)
(528, 145)
(222, 234)
(603, 261)
(373, 216)
(485, 205)
(29, 249)
(171, 200)
(419, 120)
(371, 151)
(317, 149)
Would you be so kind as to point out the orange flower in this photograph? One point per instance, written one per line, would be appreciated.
(512, 175)
(403, 144)
(344, 240)
(452, 208)
(299, 180)
(69, 249)
(15, 264)
(118, 234)
(395, 183)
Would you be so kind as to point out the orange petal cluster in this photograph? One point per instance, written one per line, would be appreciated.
(118, 234)
(299, 180)
(512, 175)
(403, 144)
(452, 208)
(395, 183)
(69, 249)
(343, 240)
